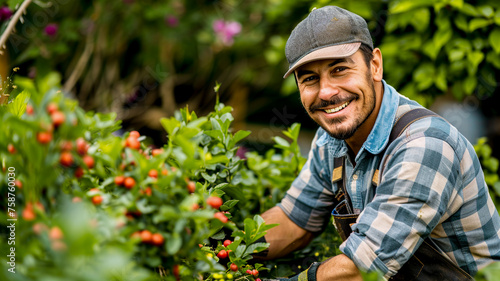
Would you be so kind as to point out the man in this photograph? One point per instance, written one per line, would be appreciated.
(425, 184)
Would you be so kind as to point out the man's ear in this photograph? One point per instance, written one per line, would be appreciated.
(377, 67)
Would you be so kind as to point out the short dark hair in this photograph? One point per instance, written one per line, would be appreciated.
(367, 53)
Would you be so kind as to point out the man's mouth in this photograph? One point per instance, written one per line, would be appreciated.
(338, 108)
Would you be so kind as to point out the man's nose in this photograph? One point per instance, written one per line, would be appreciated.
(327, 89)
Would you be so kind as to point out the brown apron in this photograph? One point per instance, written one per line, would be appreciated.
(428, 262)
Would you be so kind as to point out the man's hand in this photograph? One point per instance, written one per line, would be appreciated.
(286, 237)
(306, 275)
(337, 268)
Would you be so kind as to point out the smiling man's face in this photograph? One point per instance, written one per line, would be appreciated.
(338, 94)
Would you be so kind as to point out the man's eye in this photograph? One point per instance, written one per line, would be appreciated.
(340, 69)
(310, 78)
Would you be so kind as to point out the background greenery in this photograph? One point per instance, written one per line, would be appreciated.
(144, 60)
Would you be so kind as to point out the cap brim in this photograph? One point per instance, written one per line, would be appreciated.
(331, 52)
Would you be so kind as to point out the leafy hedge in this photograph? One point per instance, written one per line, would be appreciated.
(90, 205)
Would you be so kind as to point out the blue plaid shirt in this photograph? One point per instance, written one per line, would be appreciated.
(431, 184)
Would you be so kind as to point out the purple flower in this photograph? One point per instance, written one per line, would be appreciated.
(241, 152)
(171, 21)
(51, 29)
(226, 31)
(5, 13)
(218, 26)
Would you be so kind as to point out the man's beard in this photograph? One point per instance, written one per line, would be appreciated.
(343, 134)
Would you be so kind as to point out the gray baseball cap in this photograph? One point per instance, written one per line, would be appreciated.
(327, 33)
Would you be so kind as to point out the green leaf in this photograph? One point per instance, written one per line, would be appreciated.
(281, 142)
(440, 79)
(221, 235)
(18, 106)
(475, 58)
(405, 6)
(209, 178)
(441, 37)
(456, 55)
(170, 124)
(174, 243)
(228, 205)
(420, 19)
(478, 23)
(494, 40)
(486, 11)
(497, 18)
(238, 136)
(470, 84)
(469, 9)
(423, 76)
(255, 248)
(461, 22)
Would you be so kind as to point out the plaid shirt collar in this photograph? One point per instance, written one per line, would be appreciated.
(379, 136)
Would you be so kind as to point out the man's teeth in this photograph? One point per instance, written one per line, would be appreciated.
(337, 109)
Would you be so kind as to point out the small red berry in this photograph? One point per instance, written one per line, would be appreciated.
(81, 146)
(97, 200)
(214, 201)
(79, 172)
(66, 159)
(52, 107)
(134, 134)
(234, 267)
(11, 149)
(157, 151)
(146, 236)
(153, 173)
(29, 109)
(55, 233)
(255, 272)
(157, 239)
(129, 182)
(44, 137)
(132, 142)
(191, 186)
(222, 254)
(119, 180)
(220, 216)
(249, 271)
(89, 161)
(57, 118)
(227, 242)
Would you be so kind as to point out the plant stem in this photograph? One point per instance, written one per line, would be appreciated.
(12, 23)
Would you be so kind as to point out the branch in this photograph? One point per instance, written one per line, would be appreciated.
(12, 23)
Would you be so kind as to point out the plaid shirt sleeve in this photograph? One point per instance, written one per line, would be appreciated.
(432, 182)
(310, 199)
